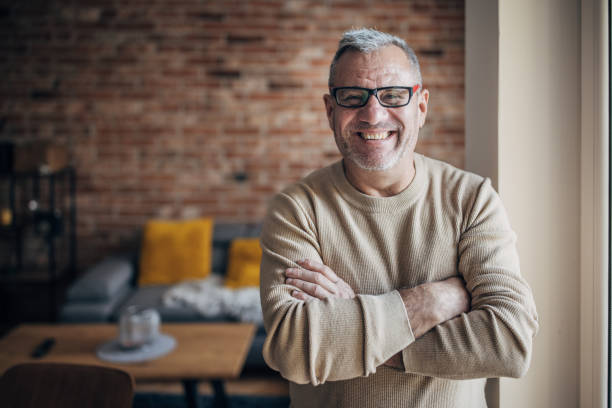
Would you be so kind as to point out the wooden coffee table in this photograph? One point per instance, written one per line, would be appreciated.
(204, 352)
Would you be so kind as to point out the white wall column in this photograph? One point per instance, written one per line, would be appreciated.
(539, 182)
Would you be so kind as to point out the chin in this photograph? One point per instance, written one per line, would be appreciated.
(372, 165)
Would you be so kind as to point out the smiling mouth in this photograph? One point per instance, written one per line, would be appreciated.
(375, 135)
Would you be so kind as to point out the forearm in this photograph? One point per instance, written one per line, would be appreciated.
(334, 339)
(487, 342)
(433, 303)
(478, 344)
(492, 340)
(429, 305)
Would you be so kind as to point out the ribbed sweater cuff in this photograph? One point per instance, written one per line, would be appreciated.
(387, 328)
(398, 303)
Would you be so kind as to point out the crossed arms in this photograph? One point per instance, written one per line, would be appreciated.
(479, 323)
(427, 305)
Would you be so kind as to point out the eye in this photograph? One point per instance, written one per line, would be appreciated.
(351, 96)
(352, 99)
(395, 96)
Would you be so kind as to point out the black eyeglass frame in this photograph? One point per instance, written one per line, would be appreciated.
(411, 91)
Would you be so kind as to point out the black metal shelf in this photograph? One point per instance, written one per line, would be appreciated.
(39, 242)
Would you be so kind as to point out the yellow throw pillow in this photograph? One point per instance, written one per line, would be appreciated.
(243, 264)
(174, 251)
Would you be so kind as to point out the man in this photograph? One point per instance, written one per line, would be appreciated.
(388, 276)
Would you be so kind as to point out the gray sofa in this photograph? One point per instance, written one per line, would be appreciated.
(105, 289)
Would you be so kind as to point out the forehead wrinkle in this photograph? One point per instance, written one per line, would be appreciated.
(374, 70)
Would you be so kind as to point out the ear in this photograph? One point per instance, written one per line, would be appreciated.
(422, 105)
(330, 105)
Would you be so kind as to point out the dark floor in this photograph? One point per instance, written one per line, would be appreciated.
(156, 400)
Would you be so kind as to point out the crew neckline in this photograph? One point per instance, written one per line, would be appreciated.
(380, 204)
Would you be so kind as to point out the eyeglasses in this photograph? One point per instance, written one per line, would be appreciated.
(388, 96)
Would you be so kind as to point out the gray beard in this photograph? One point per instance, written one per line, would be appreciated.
(362, 162)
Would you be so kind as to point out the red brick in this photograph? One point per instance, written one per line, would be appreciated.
(164, 103)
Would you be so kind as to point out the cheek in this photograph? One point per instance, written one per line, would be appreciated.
(412, 134)
(410, 120)
(341, 122)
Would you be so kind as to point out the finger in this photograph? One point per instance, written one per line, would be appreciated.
(345, 290)
(301, 295)
(339, 288)
(319, 267)
(312, 277)
(310, 288)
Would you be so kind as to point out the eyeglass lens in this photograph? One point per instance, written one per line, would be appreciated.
(357, 97)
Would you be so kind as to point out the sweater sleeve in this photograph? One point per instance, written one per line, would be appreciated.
(318, 341)
(495, 338)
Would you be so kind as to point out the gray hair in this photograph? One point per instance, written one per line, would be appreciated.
(366, 40)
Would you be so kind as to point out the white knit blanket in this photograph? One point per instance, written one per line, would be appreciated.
(213, 300)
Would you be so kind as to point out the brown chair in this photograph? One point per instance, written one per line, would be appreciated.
(50, 385)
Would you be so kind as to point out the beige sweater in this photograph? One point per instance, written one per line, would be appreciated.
(447, 222)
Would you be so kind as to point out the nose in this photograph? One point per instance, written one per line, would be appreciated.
(372, 112)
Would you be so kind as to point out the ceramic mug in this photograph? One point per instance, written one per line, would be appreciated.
(138, 326)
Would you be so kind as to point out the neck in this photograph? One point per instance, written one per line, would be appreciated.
(384, 183)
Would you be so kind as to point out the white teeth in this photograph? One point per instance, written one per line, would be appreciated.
(375, 136)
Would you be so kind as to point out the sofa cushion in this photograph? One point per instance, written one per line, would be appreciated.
(102, 281)
(223, 235)
(92, 311)
(243, 265)
(173, 251)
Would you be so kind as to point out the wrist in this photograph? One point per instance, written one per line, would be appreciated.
(419, 308)
(433, 303)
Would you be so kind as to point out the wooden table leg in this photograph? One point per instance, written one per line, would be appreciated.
(192, 396)
(220, 400)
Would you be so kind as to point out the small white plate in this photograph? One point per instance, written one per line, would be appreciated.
(113, 352)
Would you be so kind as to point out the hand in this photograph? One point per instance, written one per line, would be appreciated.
(316, 281)
(433, 303)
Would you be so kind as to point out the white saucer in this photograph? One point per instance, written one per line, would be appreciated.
(113, 352)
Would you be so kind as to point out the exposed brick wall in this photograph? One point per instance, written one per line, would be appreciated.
(180, 108)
